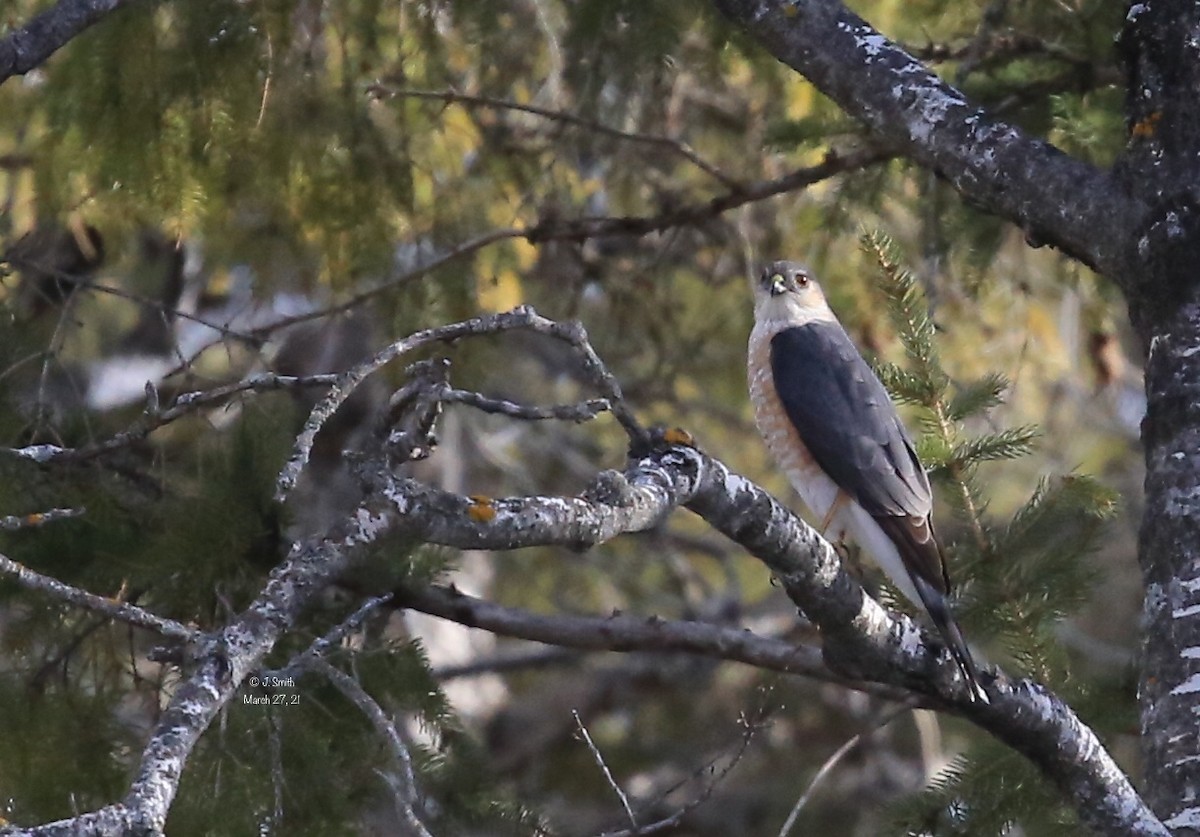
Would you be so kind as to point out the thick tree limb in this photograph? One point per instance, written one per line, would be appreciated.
(30, 46)
(1054, 198)
(861, 639)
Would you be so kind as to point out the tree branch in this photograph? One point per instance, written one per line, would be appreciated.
(387, 88)
(110, 608)
(632, 633)
(862, 640)
(1054, 198)
(583, 229)
(30, 46)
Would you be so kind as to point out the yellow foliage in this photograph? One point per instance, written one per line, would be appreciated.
(500, 291)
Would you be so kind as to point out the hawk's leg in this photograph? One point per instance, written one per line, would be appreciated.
(838, 502)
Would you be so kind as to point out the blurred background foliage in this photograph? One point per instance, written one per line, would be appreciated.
(242, 162)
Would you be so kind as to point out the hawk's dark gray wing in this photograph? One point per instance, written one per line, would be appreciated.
(847, 421)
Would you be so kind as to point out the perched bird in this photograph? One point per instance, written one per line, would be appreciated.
(832, 427)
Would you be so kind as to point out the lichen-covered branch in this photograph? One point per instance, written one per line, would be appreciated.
(111, 608)
(523, 317)
(862, 640)
(1054, 198)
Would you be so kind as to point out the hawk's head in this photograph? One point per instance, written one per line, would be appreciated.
(787, 292)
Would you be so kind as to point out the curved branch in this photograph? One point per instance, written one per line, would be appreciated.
(862, 639)
(30, 46)
(1053, 197)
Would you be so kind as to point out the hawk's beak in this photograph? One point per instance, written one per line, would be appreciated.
(778, 285)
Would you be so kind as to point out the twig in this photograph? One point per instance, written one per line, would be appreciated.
(381, 90)
(121, 611)
(324, 644)
(466, 248)
(183, 405)
(584, 411)
(79, 281)
(751, 727)
(612, 782)
(840, 753)
(405, 791)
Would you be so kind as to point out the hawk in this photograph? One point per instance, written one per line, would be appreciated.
(833, 429)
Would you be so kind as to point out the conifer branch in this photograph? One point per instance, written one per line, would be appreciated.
(927, 383)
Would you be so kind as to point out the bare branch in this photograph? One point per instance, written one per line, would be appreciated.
(113, 609)
(632, 633)
(184, 404)
(840, 753)
(405, 789)
(585, 411)
(750, 726)
(523, 317)
(384, 89)
(582, 229)
(30, 46)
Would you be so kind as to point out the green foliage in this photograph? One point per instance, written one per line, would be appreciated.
(59, 750)
(1019, 578)
(988, 791)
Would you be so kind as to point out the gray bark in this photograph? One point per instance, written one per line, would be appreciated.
(31, 45)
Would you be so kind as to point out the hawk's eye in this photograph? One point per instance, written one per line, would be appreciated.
(801, 280)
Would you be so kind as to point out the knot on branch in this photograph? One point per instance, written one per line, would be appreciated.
(409, 424)
(610, 488)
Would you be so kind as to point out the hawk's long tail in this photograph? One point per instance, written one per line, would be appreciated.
(939, 610)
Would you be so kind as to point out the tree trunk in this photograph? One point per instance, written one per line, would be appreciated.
(1161, 47)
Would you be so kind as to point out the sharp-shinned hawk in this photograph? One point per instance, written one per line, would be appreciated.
(833, 429)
